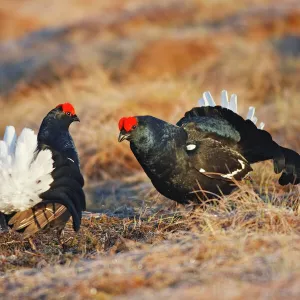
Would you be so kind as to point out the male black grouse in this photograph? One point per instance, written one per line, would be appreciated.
(206, 152)
(41, 184)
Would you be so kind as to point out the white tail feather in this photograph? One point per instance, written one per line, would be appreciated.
(224, 99)
(209, 99)
(231, 104)
(254, 120)
(3, 150)
(23, 174)
(251, 113)
(10, 138)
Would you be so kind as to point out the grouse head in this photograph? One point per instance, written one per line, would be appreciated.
(141, 129)
(146, 132)
(59, 118)
(63, 115)
(54, 130)
(127, 127)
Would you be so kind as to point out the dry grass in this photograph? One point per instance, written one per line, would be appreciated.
(143, 246)
(243, 242)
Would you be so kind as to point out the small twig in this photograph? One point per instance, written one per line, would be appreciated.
(11, 242)
(34, 254)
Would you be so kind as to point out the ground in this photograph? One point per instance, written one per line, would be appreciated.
(121, 58)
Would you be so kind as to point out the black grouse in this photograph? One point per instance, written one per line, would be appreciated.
(206, 152)
(41, 182)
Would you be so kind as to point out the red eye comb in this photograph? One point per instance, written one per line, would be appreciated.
(67, 108)
(127, 123)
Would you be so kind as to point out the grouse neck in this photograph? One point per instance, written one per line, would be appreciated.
(161, 148)
(57, 138)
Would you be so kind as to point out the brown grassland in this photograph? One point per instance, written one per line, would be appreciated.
(119, 58)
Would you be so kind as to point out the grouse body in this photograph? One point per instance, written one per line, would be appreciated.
(206, 152)
(41, 183)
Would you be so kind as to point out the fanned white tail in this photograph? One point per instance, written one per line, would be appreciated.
(23, 174)
(231, 104)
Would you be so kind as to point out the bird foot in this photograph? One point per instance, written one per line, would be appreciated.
(60, 237)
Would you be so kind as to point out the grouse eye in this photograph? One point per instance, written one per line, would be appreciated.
(134, 127)
(68, 113)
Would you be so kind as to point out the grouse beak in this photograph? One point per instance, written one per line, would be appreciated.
(123, 136)
(75, 118)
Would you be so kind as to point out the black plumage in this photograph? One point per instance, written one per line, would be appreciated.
(205, 153)
(65, 197)
(54, 132)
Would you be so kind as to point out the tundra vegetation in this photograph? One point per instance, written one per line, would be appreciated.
(120, 58)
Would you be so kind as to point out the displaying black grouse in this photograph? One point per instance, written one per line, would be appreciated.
(206, 152)
(41, 182)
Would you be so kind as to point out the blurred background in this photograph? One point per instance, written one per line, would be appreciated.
(120, 58)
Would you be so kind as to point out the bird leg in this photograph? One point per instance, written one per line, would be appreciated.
(3, 224)
(60, 235)
(32, 244)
